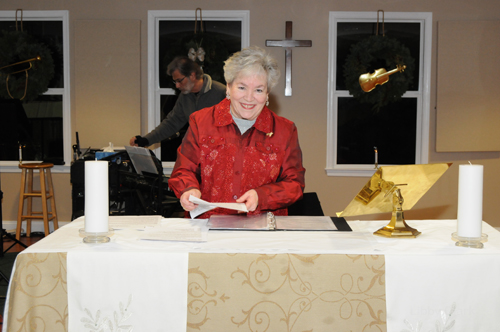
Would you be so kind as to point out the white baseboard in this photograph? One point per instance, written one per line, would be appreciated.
(36, 226)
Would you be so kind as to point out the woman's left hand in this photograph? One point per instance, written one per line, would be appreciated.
(251, 200)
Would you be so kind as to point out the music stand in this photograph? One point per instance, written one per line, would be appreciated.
(147, 169)
(389, 188)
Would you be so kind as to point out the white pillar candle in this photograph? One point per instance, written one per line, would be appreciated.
(470, 201)
(96, 197)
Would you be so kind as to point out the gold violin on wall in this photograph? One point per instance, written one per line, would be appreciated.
(369, 81)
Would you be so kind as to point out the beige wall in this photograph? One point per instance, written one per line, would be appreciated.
(308, 105)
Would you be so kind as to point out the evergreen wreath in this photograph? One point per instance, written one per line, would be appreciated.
(16, 46)
(209, 44)
(371, 54)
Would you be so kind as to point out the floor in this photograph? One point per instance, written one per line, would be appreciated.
(7, 242)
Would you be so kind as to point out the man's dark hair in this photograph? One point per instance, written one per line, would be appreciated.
(185, 66)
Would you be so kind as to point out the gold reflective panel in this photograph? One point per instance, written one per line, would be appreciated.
(393, 188)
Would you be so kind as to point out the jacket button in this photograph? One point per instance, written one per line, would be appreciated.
(235, 197)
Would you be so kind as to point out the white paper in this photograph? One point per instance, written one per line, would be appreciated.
(204, 206)
(134, 222)
(305, 223)
(138, 150)
(177, 229)
(141, 159)
(96, 196)
(470, 201)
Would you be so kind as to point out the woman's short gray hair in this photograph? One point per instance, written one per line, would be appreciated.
(252, 58)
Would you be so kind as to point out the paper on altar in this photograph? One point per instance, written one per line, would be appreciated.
(133, 222)
(177, 229)
(204, 206)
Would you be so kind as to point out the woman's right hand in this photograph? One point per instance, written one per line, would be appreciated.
(186, 204)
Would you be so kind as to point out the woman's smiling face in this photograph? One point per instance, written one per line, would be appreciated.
(248, 94)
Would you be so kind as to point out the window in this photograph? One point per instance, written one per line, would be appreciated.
(399, 130)
(45, 121)
(166, 29)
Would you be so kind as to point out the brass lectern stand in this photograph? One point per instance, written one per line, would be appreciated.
(389, 188)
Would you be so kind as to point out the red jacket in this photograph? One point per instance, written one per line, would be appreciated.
(223, 164)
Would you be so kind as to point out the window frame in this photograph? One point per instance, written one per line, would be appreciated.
(50, 15)
(154, 90)
(422, 94)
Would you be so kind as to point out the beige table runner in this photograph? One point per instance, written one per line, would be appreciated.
(38, 295)
(286, 292)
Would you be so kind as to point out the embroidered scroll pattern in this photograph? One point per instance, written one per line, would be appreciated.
(286, 292)
(37, 284)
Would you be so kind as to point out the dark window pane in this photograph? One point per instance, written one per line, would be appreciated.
(349, 34)
(36, 125)
(219, 40)
(49, 33)
(392, 130)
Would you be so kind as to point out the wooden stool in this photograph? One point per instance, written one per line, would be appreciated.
(46, 192)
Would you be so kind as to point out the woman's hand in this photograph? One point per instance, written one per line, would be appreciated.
(185, 203)
(251, 200)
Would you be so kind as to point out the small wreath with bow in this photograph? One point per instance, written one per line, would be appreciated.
(25, 81)
(207, 49)
(371, 54)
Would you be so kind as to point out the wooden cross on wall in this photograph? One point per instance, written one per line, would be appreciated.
(288, 43)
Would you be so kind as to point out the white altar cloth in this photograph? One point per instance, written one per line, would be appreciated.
(442, 292)
(435, 239)
(429, 281)
(109, 291)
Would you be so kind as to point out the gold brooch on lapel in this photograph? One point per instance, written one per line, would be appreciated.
(270, 134)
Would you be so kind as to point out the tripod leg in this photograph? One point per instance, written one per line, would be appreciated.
(4, 277)
(13, 238)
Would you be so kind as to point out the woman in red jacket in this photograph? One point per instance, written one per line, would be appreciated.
(239, 150)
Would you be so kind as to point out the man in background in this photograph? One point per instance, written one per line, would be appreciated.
(197, 91)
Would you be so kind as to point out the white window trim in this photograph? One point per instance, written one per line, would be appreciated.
(154, 90)
(50, 15)
(422, 95)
